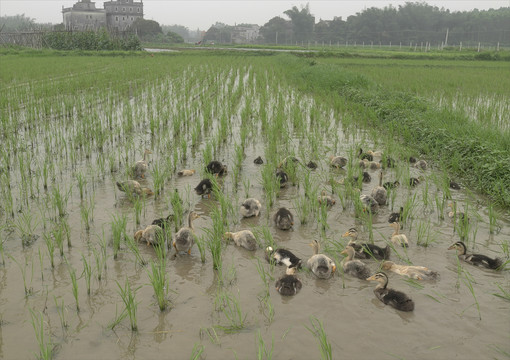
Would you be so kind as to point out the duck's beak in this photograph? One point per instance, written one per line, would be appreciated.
(346, 234)
(334, 267)
(451, 247)
(371, 278)
(344, 252)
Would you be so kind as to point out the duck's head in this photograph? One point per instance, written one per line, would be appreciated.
(348, 251)
(352, 232)
(269, 250)
(395, 225)
(138, 235)
(459, 246)
(315, 246)
(291, 270)
(380, 277)
(147, 191)
(228, 236)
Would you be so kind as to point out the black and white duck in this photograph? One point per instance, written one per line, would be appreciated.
(476, 259)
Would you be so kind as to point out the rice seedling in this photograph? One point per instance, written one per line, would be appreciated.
(424, 237)
(246, 187)
(271, 185)
(118, 225)
(87, 213)
(72, 275)
(201, 244)
(262, 352)
(26, 225)
(493, 219)
(59, 200)
(158, 178)
(61, 311)
(211, 334)
(82, 183)
(87, 272)
(45, 344)
(133, 246)
(230, 307)
(440, 205)
(468, 281)
(27, 283)
(504, 293)
(137, 207)
(196, 353)
(319, 333)
(128, 297)
(158, 278)
(177, 208)
(214, 243)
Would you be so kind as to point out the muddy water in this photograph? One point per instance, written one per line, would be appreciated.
(445, 324)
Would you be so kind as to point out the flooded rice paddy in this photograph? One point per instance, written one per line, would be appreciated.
(60, 166)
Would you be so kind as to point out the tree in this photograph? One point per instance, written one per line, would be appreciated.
(174, 38)
(146, 29)
(277, 30)
(302, 22)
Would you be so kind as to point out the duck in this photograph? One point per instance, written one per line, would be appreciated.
(369, 203)
(152, 234)
(414, 272)
(282, 256)
(388, 162)
(396, 237)
(372, 165)
(163, 222)
(476, 259)
(326, 199)
(362, 155)
(250, 207)
(133, 187)
(391, 185)
(337, 161)
(289, 284)
(379, 193)
(185, 237)
(141, 166)
(394, 298)
(258, 161)
(204, 187)
(397, 216)
(421, 164)
(185, 172)
(312, 165)
(282, 177)
(216, 168)
(321, 265)
(366, 250)
(366, 178)
(412, 160)
(374, 153)
(283, 219)
(243, 238)
(352, 266)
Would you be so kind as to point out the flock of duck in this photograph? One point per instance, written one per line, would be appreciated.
(319, 264)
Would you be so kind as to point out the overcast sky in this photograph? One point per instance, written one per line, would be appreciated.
(202, 14)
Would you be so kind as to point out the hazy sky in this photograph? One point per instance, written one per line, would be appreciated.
(202, 14)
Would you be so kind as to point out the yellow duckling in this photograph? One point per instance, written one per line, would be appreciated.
(186, 172)
(396, 237)
(133, 187)
(152, 234)
(243, 238)
(141, 166)
(414, 272)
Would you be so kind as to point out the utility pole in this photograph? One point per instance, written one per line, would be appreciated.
(446, 39)
(277, 38)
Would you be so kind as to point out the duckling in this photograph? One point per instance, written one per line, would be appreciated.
(312, 165)
(321, 265)
(379, 193)
(289, 284)
(362, 155)
(133, 187)
(363, 163)
(454, 185)
(204, 187)
(387, 162)
(282, 177)
(421, 164)
(396, 216)
(141, 166)
(456, 214)
(366, 250)
(366, 178)
(185, 172)
(414, 272)
(250, 207)
(337, 161)
(374, 153)
(369, 203)
(394, 298)
(354, 267)
(283, 219)
(415, 181)
(152, 234)
(216, 168)
(282, 256)
(258, 161)
(372, 165)
(397, 238)
(164, 222)
(243, 238)
(476, 259)
(326, 199)
(185, 237)
(391, 185)
(412, 160)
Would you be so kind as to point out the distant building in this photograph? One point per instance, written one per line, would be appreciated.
(245, 34)
(116, 15)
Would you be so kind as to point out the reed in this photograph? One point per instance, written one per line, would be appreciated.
(319, 333)
(131, 305)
